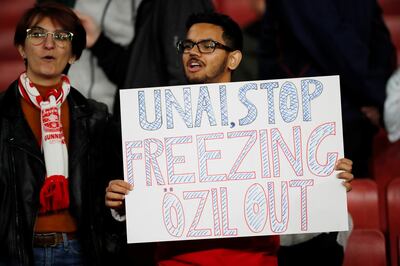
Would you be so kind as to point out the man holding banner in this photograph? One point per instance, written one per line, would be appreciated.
(210, 54)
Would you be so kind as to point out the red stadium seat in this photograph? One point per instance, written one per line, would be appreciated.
(11, 64)
(385, 167)
(239, 10)
(365, 247)
(10, 72)
(362, 202)
(393, 24)
(391, 7)
(393, 202)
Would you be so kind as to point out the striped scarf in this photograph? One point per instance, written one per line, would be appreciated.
(54, 193)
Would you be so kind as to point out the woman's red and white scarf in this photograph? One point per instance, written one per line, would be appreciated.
(54, 194)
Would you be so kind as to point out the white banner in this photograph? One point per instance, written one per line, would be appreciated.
(233, 159)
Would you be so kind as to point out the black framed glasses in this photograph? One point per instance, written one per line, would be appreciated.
(205, 46)
(38, 35)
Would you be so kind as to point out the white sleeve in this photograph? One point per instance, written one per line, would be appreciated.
(392, 107)
(343, 236)
(294, 239)
(117, 216)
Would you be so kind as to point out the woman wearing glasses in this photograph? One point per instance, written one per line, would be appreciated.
(52, 150)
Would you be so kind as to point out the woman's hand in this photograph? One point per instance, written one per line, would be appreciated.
(116, 192)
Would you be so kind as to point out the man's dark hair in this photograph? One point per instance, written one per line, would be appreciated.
(232, 34)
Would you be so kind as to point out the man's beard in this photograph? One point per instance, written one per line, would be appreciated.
(206, 79)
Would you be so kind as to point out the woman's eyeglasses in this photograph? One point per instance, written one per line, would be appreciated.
(38, 36)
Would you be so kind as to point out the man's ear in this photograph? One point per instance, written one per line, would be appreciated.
(234, 59)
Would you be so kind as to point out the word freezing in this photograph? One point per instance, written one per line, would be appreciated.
(271, 143)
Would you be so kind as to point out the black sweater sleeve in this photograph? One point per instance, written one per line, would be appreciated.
(113, 58)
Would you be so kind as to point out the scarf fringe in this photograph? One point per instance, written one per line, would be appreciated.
(54, 194)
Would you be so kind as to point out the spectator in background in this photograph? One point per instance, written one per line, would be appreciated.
(331, 37)
(53, 156)
(116, 20)
(249, 67)
(334, 37)
(392, 107)
(151, 58)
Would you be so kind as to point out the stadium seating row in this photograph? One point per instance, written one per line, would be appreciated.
(367, 244)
